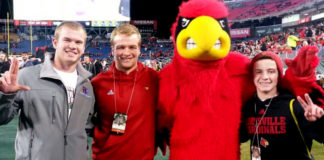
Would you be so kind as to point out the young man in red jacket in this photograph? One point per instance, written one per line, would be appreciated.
(126, 98)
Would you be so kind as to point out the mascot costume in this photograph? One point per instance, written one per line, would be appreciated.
(204, 87)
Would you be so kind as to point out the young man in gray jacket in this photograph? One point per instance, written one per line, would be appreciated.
(55, 100)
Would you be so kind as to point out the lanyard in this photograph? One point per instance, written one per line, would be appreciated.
(131, 96)
(256, 133)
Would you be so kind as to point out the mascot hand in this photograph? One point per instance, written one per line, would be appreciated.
(300, 75)
(305, 63)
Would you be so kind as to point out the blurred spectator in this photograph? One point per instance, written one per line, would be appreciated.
(105, 65)
(4, 63)
(292, 41)
(26, 62)
(40, 53)
(309, 32)
(89, 66)
(321, 49)
(263, 47)
(97, 65)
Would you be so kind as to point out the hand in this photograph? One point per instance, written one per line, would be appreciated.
(312, 111)
(305, 63)
(9, 80)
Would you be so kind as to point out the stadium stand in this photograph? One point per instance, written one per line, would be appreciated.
(255, 9)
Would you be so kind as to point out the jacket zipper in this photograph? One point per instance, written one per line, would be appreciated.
(31, 144)
(66, 120)
(53, 109)
(65, 113)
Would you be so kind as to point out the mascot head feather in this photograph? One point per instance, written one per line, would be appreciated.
(201, 32)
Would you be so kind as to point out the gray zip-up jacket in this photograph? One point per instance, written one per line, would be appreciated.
(44, 131)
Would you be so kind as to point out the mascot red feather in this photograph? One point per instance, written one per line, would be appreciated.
(204, 87)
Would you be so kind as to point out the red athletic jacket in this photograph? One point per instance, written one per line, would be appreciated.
(138, 140)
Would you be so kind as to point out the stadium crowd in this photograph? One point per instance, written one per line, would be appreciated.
(277, 42)
(156, 53)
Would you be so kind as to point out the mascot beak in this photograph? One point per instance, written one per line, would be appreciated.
(203, 40)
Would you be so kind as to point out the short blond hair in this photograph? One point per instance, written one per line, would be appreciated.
(126, 29)
(69, 24)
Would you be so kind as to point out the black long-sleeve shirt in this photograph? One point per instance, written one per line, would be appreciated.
(278, 136)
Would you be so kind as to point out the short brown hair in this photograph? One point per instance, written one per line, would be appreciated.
(70, 24)
(126, 29)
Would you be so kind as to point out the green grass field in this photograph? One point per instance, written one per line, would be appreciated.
(8, 134)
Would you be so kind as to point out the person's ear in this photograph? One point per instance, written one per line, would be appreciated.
(112, 51)
(54, 42)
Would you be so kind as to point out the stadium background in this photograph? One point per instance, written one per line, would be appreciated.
(250, 21)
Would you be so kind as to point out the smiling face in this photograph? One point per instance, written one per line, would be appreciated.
(126, 51)
(70, 45)
(265, 77)
(125, 47)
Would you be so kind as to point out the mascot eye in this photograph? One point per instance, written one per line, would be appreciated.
(185, 22)
(224, 24)
(182, 24)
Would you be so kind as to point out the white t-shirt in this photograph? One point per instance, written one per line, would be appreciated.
(70, 81)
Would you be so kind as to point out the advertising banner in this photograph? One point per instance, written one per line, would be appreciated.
(240, 32)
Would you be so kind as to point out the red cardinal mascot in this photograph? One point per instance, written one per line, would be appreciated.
(204, 87)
